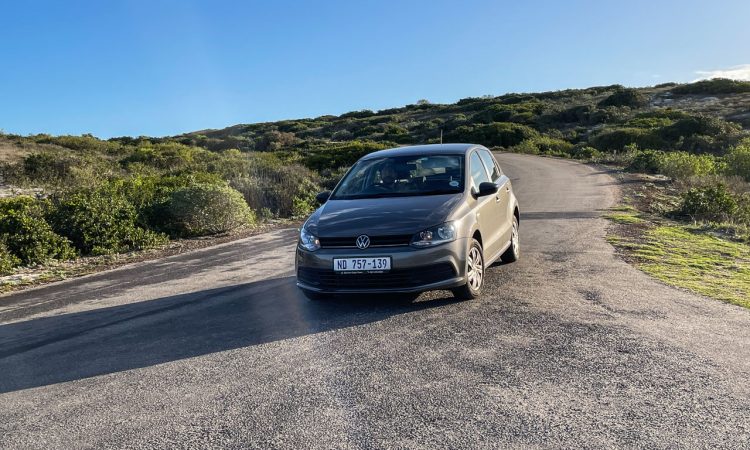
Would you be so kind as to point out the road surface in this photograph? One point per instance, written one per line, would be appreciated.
(569, 347)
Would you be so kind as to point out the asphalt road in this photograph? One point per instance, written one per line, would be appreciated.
(569, 347)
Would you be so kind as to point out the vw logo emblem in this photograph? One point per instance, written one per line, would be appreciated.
(363, 242)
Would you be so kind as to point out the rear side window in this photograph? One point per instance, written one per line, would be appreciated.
(478, 172)
(490, 163)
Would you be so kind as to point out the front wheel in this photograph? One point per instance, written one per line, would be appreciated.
(514, 250)
(474, 274)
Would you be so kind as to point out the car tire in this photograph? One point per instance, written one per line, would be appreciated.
(514, 250)
(474, 273)
(312, 295)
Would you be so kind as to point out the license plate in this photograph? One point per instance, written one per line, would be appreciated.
(368, 264)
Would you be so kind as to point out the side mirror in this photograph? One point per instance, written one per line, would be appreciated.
(487, 188)
(323, 197)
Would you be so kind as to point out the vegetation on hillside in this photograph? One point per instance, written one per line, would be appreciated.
(91, 196)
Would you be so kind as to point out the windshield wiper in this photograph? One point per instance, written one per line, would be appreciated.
(396, 194)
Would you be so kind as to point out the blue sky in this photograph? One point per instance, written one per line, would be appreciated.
(157, 68)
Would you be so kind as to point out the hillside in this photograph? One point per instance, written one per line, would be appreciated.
(70, 196)
(703, 117)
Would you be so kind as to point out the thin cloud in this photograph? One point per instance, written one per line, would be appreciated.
(741, 72)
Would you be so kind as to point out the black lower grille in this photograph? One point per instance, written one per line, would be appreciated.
(375, 241)
(394, 279)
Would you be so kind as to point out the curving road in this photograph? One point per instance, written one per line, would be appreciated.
(569, 347)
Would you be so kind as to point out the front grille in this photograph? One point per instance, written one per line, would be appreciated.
(375, 241)
(394, 279)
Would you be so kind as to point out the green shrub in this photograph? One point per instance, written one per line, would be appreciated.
(545, 145)
(585, 153)
(743, 209)
(503, 134)
(712, 204)
(682, 165)
(343, 154)
(85, 142)
(625, 97)
(27, 235)
(286, 190)
(204, 209)
(494, 113)
(528, 147)
(8, 261)
(697, 125)
(47, 167)
(649, 122)
(396, 133)
(101, 221)
(619, 138)
(645, 161)
(553, 146)
(714, 86)
(574, 114)
(275, 140)
(169, 156)
(738, 160)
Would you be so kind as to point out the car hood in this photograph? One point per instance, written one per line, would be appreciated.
(381, 216)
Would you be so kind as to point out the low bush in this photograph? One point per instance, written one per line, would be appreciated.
(574, 114)
(697, 125)
(25, 233)
(85, 142)
(738, 160)
(711, 204)
(645, 161)
(281, 186)
(585, 153)
(204, 209)
(545, 145)
(625, 97)
(681, 165)
(618, 138)
(8, 261)
(743, 209)
(714, 86)
(497, 134)
(170, 156)
(101, 221)
(47, 167)
(344, 154)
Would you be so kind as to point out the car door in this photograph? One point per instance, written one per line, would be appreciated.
(487, 208)
(503, 211)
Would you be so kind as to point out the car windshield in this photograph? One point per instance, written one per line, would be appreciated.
(400, 176)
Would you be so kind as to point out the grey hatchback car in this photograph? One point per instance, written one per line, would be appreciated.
(408, 220)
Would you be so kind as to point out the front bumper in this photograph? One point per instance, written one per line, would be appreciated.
(412, 269)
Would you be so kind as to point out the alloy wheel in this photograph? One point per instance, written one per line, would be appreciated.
(476, 269)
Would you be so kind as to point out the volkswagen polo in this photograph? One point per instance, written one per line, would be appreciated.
(409, 220)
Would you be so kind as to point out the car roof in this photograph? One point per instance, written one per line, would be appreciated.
(430, 149)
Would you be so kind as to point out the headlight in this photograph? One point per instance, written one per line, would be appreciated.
(307, 240)
(435, 235)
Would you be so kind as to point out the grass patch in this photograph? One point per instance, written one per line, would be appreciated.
(623, 218)
(685, 257)
(623, 208)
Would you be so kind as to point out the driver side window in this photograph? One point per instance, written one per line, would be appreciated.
(478, 171)
(490, 163)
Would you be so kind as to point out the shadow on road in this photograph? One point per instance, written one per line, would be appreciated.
(73, 346)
